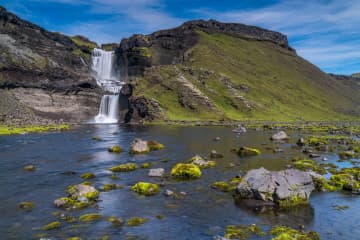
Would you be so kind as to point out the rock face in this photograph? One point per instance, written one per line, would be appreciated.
(286, 188)
(45, 74)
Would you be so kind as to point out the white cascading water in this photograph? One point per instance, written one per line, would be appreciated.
(102, 65)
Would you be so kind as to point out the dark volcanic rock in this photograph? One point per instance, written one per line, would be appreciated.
(142, 108)
(169, 46)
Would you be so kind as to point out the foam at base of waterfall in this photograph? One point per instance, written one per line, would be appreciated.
(100, 118)
(109, 109)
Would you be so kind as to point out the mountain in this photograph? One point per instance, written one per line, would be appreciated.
(199, 71)
(44, 76)
(209, 70)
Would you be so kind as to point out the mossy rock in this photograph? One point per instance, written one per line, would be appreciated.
(27, 206)
(145, 165)
(154, 145)
(347, 154)
(74, 238)
(199, 161)
(291, 202)
(90, 217)
(185, 171)
(248, 152)
(222, 186)
(52, 225)
(88, 175)
(127, 167)
(136, 221)
(284, 233)
(115, 221)
(145, 188)
(109, 186)
(344, 181)
(308, 164)
(115, 149)
(29, 168)
(243, 231)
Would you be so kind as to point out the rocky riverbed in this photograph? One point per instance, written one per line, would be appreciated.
(177, 182)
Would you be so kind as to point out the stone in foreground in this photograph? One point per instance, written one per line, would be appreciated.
(156, 172)
(279, 136)
(286, 188)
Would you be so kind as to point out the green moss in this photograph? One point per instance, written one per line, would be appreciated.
(88, 175)
(92, 195)
(154, 145)
(115, 149)
(287, 233)
(145, 188)
(136, 221)
(199, 161)
(52, 225)
(145, 165)
(222, 186)
(290, 202)
(247, 151)
(308, 164)
(344, 181)
(115, 221)
(185, 171)
(143, 51)
(109, 186)
(82, 41)
(29, 168)
(27, 206)
(347, 154)
(74, 238)
(90, 217)
(243, 232)
(127, 167)
(9, 130)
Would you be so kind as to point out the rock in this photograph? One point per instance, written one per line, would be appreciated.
(52, 225)
(139, 146)
(300, 142)
(29, 168)
(284, 232)
(168, 193)
(145, 188)
(83, 190)
(247, 152)
(286, 188)
(115, 149)
(215, 154)
(115, 221)
(185, 171)
(136, 221)
(199, 161)
(239, 130)
(154, 145)
(88, 175)
(217, 139)
(279, 136)
(27, 206)
(278, 150)
(60, 202)
(314, 155)
(156, 172)
(126, 167)
(307, 150)
(90, 217)
(324, 159)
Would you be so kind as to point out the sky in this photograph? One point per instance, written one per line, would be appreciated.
(325, 32)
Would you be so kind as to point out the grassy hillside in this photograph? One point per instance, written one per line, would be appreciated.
(357, 75)
(228, 77)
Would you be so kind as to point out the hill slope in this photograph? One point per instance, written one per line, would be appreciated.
(206, 70)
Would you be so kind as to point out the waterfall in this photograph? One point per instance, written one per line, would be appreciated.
(102, 66)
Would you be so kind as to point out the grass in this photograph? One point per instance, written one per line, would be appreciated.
(9, 130)
(282, 86)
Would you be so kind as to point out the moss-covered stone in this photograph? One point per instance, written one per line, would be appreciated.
(73, 238)
(292, 201)
(9, 130)
(309, 165)
(145, 165)
(287, 233)
(222, 186)
(154, 145)
(115, 149)
(243, 232)
(199, 161)
(115, 221)
(109, 186)
(247, 152)
(127, 167)
(52, 225)
(145, 188)
(136, 221)
(185, 171)
(88, 175)
(29, 168)
(347, 154)
(27, 206)
(90, 217)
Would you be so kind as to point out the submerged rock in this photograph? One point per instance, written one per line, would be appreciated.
(115, 149)
(185, 171)
(243, 231)
(115, 221)
(30, 168)
(145, 188)
(27, 206)
(279, 136)
(284, 232)
(127, 167)
(136, 221)
(215, 154)
(90, 217)
(239, 130)
(82, 190)
(285, 188)
(199, 161)
(156, 172)
(247, 152)
(88, 175)
(52, 225)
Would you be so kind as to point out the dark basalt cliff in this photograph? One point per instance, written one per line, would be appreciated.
(169, 46)
(43, 73)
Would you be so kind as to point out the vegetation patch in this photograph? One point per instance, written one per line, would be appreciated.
(136, 221)
(284, 233)
(115, 149)
(9, 130)
(52, 225)
(309, 165)
(27, 206)
(145, 188)
(185, 171)
(247, 152)
(87, 175)
(243, 232)
(127, 167)
(90, 217)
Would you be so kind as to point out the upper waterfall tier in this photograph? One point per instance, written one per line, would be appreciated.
(103, 67)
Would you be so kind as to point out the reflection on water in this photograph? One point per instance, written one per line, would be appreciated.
(61, 158)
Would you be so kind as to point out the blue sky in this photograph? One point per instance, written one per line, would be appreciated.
(326, 32)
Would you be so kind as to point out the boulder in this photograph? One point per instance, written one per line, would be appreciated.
(286, 188)
(156, 172)
(83, 190)
(239, 130)
(215, 154)
(139, 146)
(279, 136)
(199, 161)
